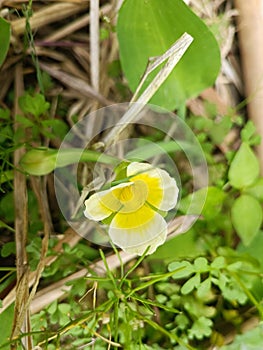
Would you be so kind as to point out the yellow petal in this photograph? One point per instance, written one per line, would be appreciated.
(133, 219)
(162, 188)
(135, 240)
(125, 198)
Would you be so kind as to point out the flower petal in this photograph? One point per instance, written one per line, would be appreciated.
(136, 239)
(133, 219)
(111, 198)
(131, 197)
(95, 210)
(170, 191)
(162, 188)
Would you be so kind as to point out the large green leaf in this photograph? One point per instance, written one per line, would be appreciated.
(246, 214)
(244, 168)
(147, 28)
(5, 32)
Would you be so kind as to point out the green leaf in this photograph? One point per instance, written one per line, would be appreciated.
(52, 308)
(244, 168)
(26, 122)
(201, 328)
(201, 264)
(219, 130)
(7, 210)
(218, 263)
(5, 114)
(233, 292)
(59, 127)
(184, 268)
(147, 29)
(192, 283)
(246, 216)
(248, 131)
(204, 288)
(254, 249)
(182, 321)
(256, 189)
(6, 320)
(5, 33)
(6, 176)
(35, 105)
(8, 249)
(179, 247)
(206, 201)
(64, 308)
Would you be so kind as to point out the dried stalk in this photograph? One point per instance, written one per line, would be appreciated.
(94, 44)
(250, 31)
(49, 14)
(173, 56)
(21, 321)
(75, 25)
(42, 200)
(71, 238)
(75, 83)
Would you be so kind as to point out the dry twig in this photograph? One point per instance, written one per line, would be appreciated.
(21, 321)
(250, 30)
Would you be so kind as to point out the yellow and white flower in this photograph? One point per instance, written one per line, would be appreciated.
(135, 208)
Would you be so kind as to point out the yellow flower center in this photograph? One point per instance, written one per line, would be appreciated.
(126, 194)
(126, 199)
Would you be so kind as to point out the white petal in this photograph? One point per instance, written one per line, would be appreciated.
(136, 240)
(167, 183)
(95, 210)
(135, 168)
(171, 191)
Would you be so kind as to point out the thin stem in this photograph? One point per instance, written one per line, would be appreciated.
(134, 266)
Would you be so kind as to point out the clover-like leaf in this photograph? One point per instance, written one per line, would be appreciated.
(201, 328)
(35, 105)
(201, 264)
(184, 268)
(218, 262)
(204, 288)
(192, 283)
